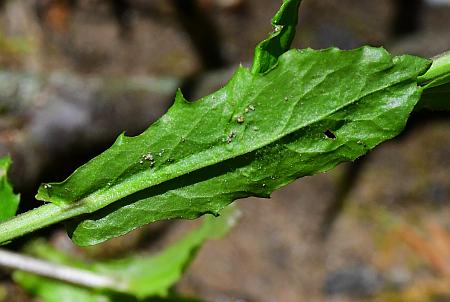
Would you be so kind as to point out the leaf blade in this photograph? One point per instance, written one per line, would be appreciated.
(9, 201)
(366, 71)
(154, 276)
(145, 276)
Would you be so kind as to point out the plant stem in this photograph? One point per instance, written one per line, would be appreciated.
(36, 219)
(56, 271)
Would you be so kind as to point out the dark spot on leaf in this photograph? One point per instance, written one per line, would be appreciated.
(329, 134)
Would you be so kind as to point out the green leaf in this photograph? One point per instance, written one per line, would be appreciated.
(438, 72)
(8, 200)
(49, 290)
(144, 276)
(253, 136)
(153, 276)
(436, 85)
(268, 51)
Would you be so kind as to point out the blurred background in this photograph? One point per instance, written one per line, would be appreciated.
(76, 73)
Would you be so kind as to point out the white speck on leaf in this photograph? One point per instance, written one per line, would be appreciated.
(231, 136)
(278, 28)
(148, 157)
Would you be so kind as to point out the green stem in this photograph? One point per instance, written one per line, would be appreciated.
(36, 219)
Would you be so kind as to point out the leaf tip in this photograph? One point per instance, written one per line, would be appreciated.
(120, 139)
(287, 14)
(45, 193)
(180, 100)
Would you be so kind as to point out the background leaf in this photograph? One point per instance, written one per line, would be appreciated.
(145, 276)
(8, 200)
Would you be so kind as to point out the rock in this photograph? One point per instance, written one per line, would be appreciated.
(353, 280)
